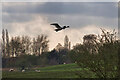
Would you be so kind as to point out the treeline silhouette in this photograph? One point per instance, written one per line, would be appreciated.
(23, 51)
(98, 53)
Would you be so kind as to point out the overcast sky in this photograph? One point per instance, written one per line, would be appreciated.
(60, 0)
(83, 18)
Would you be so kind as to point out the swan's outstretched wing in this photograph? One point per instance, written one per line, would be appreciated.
(56, 25)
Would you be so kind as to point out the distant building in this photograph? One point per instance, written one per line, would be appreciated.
(59, 47)
(67, 43)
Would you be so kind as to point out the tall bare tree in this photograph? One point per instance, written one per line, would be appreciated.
(12, 46)
(7, 44)
(3, 45)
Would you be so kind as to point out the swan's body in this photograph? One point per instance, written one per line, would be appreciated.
(59, 27)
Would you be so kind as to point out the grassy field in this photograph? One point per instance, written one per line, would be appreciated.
(57, 71)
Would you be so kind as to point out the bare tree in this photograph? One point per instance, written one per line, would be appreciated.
(3, 45)
(34, 47)
(25, 45)
(42, 44)
(107, 37)
(7, 44)
(16, 45)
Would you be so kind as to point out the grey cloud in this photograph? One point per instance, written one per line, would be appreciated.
(74, 21)
(81, 21)
(103, 9)
(9, 18)
(76, 15)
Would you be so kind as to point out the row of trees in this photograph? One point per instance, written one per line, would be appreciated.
(23, 51)
(17, 46)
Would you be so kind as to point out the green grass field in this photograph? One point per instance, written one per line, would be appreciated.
(57, 71)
